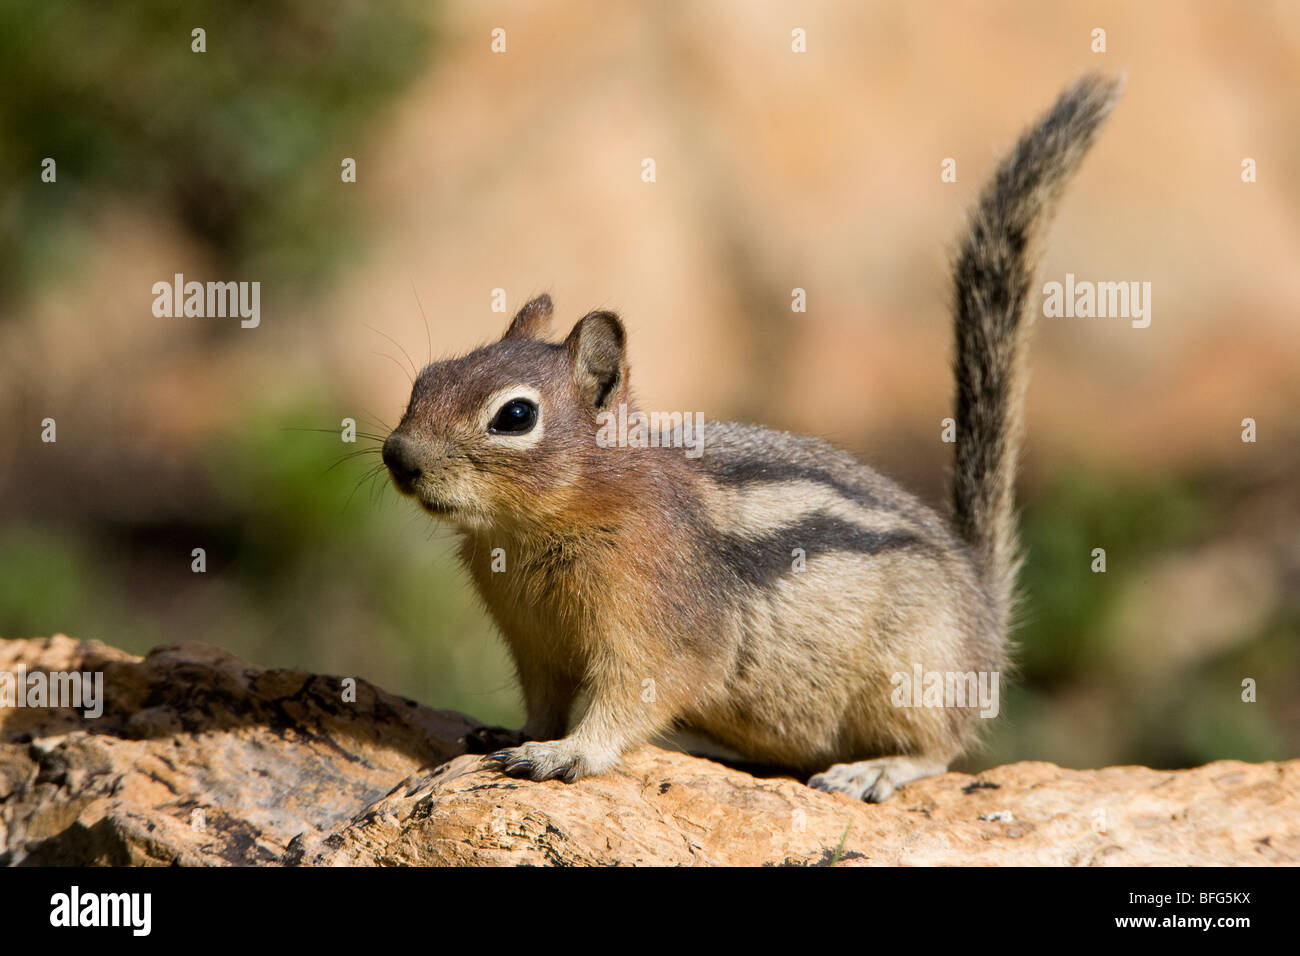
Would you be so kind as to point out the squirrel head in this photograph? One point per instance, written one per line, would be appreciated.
(506, 434)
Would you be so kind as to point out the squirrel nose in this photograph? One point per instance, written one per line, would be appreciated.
(399, 456)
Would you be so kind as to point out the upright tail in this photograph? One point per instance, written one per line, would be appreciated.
(993, 280)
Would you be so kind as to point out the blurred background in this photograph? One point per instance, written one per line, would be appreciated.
(522, 171)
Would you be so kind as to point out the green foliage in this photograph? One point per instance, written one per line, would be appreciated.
(242, 143)
(1065, 603)
(1081, 698)
(50, 582)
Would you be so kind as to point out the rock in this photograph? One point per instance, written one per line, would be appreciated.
(200, 759)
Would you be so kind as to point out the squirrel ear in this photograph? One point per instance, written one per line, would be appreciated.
(596, 350)
(531, 321)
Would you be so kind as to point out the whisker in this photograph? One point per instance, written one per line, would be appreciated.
(376, 488)
(427, 334)
(369, 473)
(375, 419)
(333, 431)
(349, 456)
(395, 362)
(414, 370)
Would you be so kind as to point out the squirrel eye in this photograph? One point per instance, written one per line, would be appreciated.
(515, 418)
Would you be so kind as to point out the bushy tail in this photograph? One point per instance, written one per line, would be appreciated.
(993, 282)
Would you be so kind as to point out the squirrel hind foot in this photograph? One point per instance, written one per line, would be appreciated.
(875, 780)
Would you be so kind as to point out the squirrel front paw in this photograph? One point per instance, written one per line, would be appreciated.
(564, 759)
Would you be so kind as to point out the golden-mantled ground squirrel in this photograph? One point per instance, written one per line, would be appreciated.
(770, 593)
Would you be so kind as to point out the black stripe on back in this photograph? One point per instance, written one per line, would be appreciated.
(759, 561)
(750, 471)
